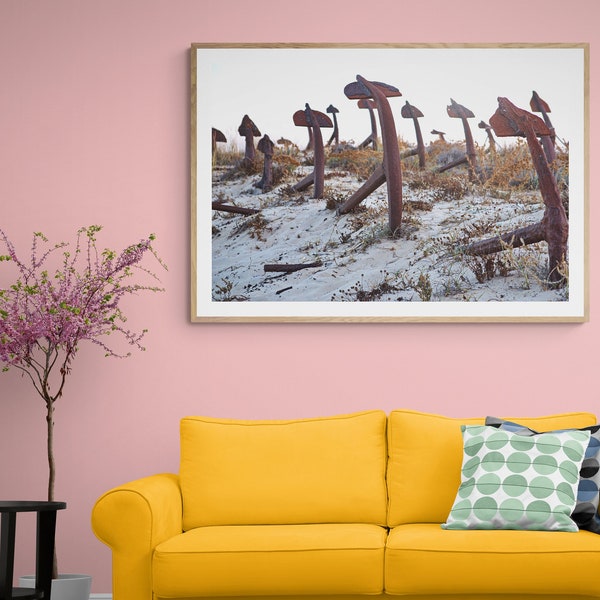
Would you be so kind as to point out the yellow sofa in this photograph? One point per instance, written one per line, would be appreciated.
(333, 508)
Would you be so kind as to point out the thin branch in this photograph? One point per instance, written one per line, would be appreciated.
(64, 372)
(27, 372)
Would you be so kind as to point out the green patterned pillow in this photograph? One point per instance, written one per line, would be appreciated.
(509, 481)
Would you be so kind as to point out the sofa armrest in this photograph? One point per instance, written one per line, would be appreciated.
(132, 520)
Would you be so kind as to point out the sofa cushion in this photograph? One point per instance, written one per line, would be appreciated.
(425, 559)
(585, 513)
(509, 481)
(322, 470)
(263, 560)
(425, 458)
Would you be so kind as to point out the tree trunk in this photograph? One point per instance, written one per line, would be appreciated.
(51, 467)
(50, 448)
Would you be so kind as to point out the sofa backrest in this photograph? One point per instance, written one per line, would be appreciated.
(322, 470)
(425, 460)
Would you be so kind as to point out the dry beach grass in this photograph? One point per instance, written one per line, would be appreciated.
(358, 257)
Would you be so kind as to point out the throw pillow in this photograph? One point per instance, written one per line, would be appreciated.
(509, 481)
(585, 513)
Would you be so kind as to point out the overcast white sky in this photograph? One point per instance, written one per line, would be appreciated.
(270, 84)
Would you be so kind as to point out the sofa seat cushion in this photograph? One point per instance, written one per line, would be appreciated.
(321, 470)
(426, 559)
(262, 560)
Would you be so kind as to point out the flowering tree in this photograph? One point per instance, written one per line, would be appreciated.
(44, 315)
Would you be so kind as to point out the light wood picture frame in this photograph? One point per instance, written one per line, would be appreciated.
(301, 254)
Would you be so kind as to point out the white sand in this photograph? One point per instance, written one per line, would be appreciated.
(358, 255)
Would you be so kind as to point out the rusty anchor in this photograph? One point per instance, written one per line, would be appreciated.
(266, 146)
(311, 142)
(390, 171)
(229, 208)
(548, 142)
(217, 136)
(288, 146)
(314, 120)
(248, 130)
(290, 268)
(508, 120)
(490, 135)
(371, 139)
(458, 111)
(335, 136)
(409, 111)
(440, 135)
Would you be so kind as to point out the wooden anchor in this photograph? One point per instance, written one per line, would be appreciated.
(248, 130)
(390, 171)
(548, 142)
(409, 111)
(314, 120)
(458, 111)
(508, 120)
(371, 139)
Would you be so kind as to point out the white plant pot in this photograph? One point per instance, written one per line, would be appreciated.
(68, 586)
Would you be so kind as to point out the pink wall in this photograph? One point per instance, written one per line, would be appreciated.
(94, 129)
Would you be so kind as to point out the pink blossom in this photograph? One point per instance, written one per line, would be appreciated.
(62, 297)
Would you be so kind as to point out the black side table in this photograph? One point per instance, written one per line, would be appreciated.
(46, 528)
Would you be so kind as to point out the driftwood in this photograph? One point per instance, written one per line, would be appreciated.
(234, 209)
(509, 120)
(291, 268)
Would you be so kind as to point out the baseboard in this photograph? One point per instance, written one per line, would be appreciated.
(100, 596)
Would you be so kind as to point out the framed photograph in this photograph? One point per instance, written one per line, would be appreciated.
(395, 183)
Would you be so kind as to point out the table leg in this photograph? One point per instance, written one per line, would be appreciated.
(7, 554)
(46, 529)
